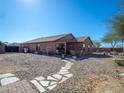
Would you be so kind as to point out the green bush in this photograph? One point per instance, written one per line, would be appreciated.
(120, 62)
(121, 54)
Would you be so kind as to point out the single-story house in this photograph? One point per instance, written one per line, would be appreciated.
(2, 47)
(67, 43)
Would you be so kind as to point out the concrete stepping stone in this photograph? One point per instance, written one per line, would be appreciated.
(65, 60)
(53, 82)
(63, 73)
(68, 65)
(63, 70)
(9, 80)
(121, 75)
(57, 76)
(52, 87)
(51, 78)
(68, 75)
(38, 86)
(6, 75)
(40, 78)
(45, 83)
(63, 79)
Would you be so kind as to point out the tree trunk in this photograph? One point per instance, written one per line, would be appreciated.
(123, 44)
(113, 44)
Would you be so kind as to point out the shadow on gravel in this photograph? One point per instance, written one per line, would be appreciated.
(93, 56)
(82, 57)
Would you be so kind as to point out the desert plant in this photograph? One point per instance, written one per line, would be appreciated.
(120, 62)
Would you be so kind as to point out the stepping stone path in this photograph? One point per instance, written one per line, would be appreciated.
(51, 82)
(7, 78)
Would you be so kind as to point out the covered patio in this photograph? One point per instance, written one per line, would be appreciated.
(69, 48)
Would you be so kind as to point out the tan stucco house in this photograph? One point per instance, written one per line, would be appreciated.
(51, 44)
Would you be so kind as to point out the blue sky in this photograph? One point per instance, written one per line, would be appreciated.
(22, 20)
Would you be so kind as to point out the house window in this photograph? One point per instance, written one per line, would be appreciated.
(84, 45)
(88, 46)
(38, 47)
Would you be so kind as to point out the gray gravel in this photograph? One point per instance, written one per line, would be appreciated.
(94, 66)
(38, 65)
(86, 72)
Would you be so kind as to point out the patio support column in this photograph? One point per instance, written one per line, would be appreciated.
(65, 47)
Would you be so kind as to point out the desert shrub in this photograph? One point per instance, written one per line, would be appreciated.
(121, 54)
(120, 62)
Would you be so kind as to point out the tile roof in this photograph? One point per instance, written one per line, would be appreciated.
(47, 39)
(82, 39)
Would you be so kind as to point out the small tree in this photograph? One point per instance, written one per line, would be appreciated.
(111, 38)
(117, 24)
(97, 44)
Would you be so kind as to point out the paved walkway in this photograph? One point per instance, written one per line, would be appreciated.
(49, 83)
(7, 78)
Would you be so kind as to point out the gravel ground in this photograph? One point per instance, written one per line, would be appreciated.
(86, 73)
(37, 65)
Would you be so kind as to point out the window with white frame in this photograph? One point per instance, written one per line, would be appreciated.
(88, 46)
(38, 47)
(84, 45)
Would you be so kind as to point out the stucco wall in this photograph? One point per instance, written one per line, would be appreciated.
(44, 46)
(2, 48)
(89, 49)
(78, 47)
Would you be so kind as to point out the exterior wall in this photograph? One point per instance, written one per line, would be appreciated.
(44, 47)
(74, 47)
(2, 48)
(48, 46)
(79, 48)
(89, 46)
